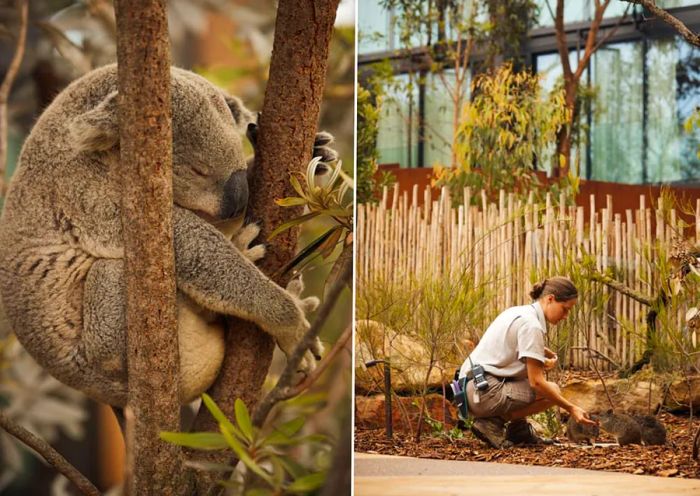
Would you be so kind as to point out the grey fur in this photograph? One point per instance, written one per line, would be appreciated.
(61, 246)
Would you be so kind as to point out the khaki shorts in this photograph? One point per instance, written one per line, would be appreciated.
(501, 397)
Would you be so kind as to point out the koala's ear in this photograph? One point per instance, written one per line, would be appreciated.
(241, 115)
(98, 128)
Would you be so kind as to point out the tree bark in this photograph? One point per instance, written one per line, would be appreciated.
(145, 130)
(287, 130)
(572, 78)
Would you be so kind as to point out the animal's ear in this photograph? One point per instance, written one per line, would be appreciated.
(241, 115)
(98, 128)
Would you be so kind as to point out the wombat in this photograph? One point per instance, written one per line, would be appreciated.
(653, 431)
(581, 433)
(625, 429)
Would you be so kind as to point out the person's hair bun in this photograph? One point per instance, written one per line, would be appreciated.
(537, 290)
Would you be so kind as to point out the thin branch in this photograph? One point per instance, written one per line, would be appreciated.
(23, 7)
(669, 19)
(612, 32)
(620, 287)
(49, 454)
(283, 386)
(325, 363)
(599, 353)
(595, 366)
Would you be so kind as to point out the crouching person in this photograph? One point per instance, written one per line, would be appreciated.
(506, 371)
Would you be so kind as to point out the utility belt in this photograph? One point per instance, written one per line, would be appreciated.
(459, 388)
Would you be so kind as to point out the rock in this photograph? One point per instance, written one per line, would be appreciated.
(627, 395)
(369, 412)
(408, 356)
(680, 395)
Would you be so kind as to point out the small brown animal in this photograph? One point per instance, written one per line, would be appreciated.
(625, 429)
(653, 431)
(581, 433)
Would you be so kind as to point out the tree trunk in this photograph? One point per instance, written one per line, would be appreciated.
(145, 131)
(287, 130)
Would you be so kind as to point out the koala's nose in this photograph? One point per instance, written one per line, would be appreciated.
(235, 198)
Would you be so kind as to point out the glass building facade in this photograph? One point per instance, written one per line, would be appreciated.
(647, 84)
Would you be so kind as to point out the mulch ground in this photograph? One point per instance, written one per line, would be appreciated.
(672, 460)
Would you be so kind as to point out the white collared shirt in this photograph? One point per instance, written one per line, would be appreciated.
(517, 333)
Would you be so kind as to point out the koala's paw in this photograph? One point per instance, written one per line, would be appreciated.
(323, 150)
(244, 237)
(288, 341)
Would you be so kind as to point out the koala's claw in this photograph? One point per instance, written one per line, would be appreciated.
(316, 349)
(321, 149)
(244, 237)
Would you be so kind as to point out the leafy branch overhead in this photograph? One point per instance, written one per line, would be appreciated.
(322, 198)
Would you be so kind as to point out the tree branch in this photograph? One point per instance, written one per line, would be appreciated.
(23, 7)
(674, 22)
(284, 384)
(339, 345)
(620, 287)
(49, 454)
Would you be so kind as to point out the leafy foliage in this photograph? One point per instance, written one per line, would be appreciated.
(329, 200)
(268, 454)
(506, 127)
(370, 96)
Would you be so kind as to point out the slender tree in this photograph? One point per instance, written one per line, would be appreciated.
(572, 77)
(288, 126)
(145, 132)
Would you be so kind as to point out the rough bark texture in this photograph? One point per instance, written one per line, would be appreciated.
(143, 54)
(287, 129)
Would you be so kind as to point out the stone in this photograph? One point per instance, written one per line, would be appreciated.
(627, 395)
(408, 356)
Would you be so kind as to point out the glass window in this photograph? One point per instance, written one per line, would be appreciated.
(549, 68)
(674, 93)
(439, 115)
(397, 136)
(583, 10)
(616, 131)
(374, 26)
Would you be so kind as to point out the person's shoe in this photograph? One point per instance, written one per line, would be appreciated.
(520, 431)
(490, 430)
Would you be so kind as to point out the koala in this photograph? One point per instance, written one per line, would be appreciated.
(62, 249)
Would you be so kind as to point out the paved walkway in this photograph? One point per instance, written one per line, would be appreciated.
(403, 476)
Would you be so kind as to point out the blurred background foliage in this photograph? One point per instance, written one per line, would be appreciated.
(230, 43)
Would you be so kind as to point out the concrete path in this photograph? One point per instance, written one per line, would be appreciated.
(402, 476)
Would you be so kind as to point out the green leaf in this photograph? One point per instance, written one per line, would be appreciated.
(329, 245)
(197, 440)
(307, 483)
(219, 416)
(293, 468)
(259, 491)
(307, 399)
(282, 435)
(297, 187)
(243, 419)
(291, 201)
(305, 252)
(292, 223)
(243, 455)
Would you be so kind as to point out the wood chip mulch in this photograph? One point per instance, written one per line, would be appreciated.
(672, 460)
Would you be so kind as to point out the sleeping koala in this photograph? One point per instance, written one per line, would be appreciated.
(62, 251)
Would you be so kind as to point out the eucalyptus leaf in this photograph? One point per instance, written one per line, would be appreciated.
(243, 419)
(307, 483)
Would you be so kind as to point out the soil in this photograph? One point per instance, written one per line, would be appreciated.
(672, 460)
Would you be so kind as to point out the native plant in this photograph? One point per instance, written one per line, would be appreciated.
(507, 127)
(266, 453)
